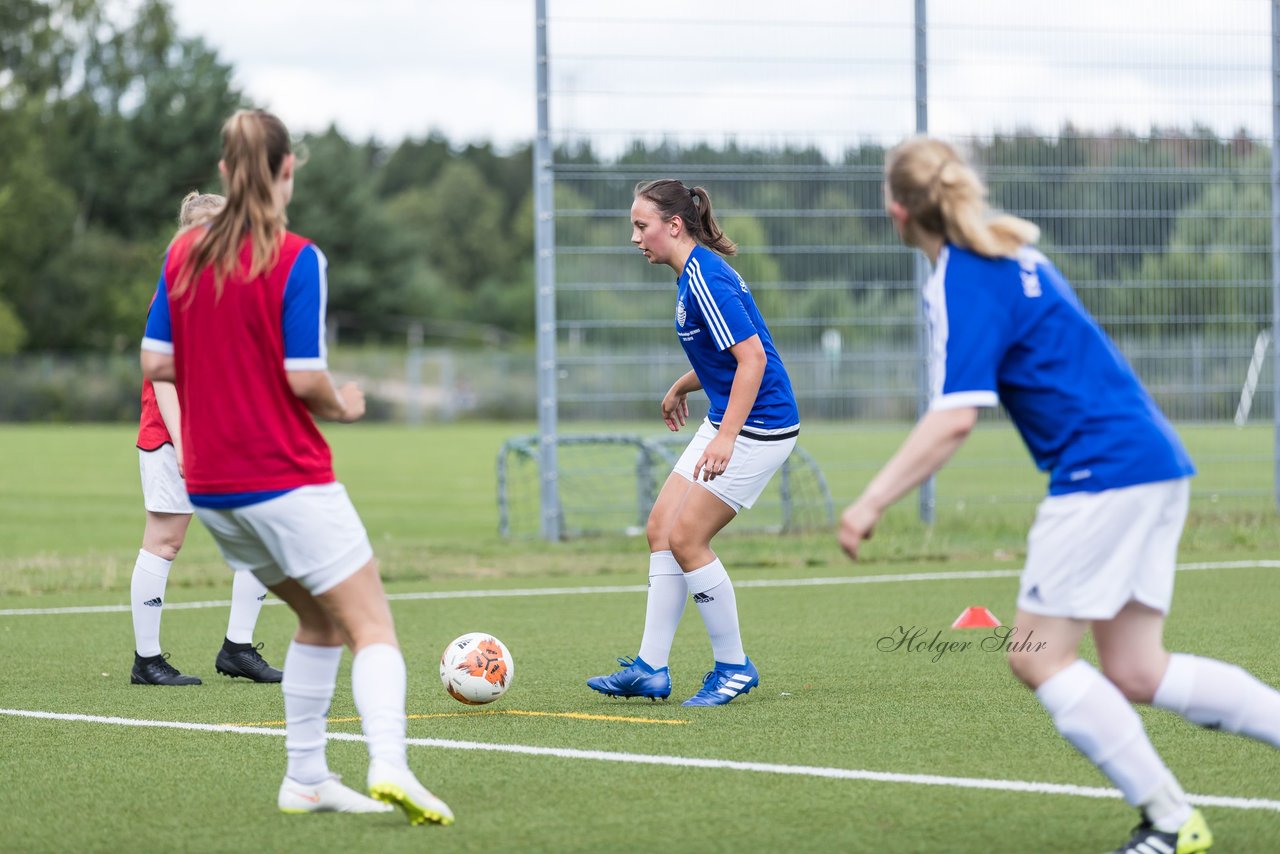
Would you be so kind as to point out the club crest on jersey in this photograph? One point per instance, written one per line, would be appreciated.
(681, 317)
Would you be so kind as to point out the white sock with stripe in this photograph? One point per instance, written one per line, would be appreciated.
(247, 596)
(146, 600)
(1215, 694)
(1095, 717)
(378, 683)
(667, 596)
(713, 594)
(309, 676)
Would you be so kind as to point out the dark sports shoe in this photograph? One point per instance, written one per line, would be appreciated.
(156, 670)
(1192, 838)
(243, 659)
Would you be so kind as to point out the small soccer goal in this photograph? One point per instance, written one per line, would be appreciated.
(608, 483)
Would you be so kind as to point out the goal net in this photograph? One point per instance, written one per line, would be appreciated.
(608, 483)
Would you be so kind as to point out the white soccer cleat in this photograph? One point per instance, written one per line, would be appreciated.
(398, 786)
(327, 796)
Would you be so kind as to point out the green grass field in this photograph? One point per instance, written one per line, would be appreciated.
(842, 747)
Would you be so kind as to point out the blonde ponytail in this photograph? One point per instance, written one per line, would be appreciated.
(254, 147)
(944, 197)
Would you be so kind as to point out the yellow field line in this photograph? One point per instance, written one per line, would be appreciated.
(577, 716)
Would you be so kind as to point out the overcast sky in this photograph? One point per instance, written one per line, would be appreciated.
(814, 70)
(384, 68)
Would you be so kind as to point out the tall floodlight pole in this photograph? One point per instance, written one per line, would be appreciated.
(928, 489)
(544, 245)
(1275, 241)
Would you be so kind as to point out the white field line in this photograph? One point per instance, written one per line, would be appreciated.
(681, 761)
(629, 588)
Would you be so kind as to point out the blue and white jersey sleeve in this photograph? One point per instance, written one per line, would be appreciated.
(306, 295)
(719, 298)
(967, 335)
(159, 335)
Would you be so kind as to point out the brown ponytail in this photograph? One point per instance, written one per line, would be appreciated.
(693, 205)
(944, 197)
(254, 146)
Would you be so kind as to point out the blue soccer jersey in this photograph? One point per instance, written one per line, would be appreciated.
(714, 311)
(1012, 331)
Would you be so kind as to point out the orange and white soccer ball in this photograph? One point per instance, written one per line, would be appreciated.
(476, 669)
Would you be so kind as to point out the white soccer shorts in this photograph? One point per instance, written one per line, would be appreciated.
(311, 534)
(753, 464)
(163, 489)
(1090, 553)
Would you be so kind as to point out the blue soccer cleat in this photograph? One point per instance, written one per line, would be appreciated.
(637, 679)
(724, 683)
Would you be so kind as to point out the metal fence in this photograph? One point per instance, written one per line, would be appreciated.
(1137, 135)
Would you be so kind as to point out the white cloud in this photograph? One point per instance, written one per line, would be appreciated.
(388, 68)
(833, 71)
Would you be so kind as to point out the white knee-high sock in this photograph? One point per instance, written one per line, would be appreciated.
(309, 676)
(378, 683)
(247, 596)
(1093, 715)
(1222, 696)
(146, 600)
(667, 596)
(713, 594)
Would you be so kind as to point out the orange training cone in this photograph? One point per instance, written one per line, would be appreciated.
(976, 617)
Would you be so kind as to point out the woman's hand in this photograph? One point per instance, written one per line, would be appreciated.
(856, 524)
(675, 409)
(352, 399)
(715, 459)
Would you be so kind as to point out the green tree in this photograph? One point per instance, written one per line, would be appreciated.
(143, 128)
(335, 204)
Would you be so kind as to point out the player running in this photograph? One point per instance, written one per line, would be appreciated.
(1005, 327)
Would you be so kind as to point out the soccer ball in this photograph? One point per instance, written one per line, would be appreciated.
(476, 669)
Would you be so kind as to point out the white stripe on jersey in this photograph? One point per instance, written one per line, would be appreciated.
(958, 399)
(935, 294)
(155, 345)
(324, 304)
(710, 310)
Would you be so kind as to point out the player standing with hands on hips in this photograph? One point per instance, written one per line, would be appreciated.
(238, 325)
(749, 432)
(164, 496)
(1005, 327)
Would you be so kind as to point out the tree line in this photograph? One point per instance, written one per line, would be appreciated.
(109, 115)
(107, 119)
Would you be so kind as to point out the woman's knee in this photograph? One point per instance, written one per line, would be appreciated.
(686, 544)
(1034, 668)
(656, 533)
(360, 609)
(164, 539)
(1138, 681)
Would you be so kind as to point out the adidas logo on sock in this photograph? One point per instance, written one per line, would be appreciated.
(154, 603)
(702, 598)
(262, 598)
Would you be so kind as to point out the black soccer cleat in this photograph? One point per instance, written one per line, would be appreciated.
(1192, 838)
(156, 670)
(243, 659)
